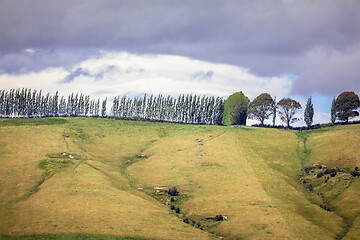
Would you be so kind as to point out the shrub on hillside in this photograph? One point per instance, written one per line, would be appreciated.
(173, 191)
(320, 174)
(186, 220)
(323, 206)
(177, 210)
(219, 218)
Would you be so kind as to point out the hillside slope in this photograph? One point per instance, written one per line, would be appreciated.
(97, 176)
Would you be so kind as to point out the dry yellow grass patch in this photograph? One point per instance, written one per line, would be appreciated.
(84, 201)
(92, 196)
(251, 175)
(20, 153)
(337, 146)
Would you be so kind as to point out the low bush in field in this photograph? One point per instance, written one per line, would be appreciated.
(173, 191)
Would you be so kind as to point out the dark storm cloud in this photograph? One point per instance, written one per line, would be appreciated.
(23, 61)
(270, 37)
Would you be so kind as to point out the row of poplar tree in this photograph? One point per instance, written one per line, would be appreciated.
(184, 109)
(31, 103)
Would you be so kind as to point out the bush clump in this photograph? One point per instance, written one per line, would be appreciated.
(323, 206)
(173, 191)
(320, 174)
(177, 210)
(219, 218)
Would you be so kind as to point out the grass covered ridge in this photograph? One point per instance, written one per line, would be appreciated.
(98, 176)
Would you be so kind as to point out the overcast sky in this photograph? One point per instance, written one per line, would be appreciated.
(107, 48)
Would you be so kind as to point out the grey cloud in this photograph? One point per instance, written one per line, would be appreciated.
(329, 72)
(108, 69)
(268, 37)
(21, 61)
(202, 75)
(78, 72)
(82, 72)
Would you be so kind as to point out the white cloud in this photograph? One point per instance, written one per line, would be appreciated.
(118, 73)
(321, 117)
(122, 73)
(30, 51)
(47, 80)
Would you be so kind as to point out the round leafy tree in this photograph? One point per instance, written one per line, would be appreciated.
(345, 106)
(261, 107)
(287, 110)
(235, 109)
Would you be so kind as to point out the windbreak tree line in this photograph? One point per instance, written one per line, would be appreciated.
(184, 109)
(188, 108)
(31, 103)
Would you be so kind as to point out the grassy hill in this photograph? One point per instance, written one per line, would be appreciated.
(75, 178)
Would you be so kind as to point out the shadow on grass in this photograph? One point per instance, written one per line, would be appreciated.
(72, 236)
(32, 121)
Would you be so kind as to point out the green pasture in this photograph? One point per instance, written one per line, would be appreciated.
(87, 178)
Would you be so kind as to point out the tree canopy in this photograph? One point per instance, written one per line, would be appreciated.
(235, 109)
(345, 106)
(287, 110)
(261, 107)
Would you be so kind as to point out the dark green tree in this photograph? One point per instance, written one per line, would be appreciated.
(274, 112)
(333, 112)
(235, 109)
(309, 113)
(87, 106)
(261, 107)
(97, 107)
(287, 110)
(103, 108)
(345, 106)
